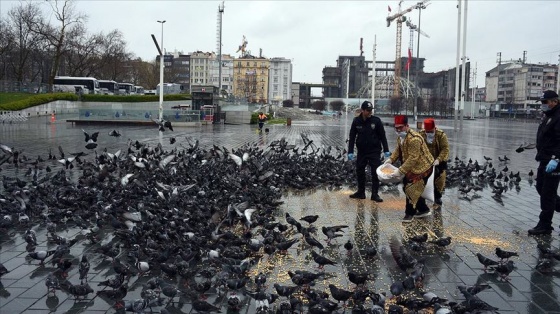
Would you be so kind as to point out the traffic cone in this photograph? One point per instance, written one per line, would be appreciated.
(53, 118)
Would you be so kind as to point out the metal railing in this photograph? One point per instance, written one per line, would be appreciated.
(12, 118)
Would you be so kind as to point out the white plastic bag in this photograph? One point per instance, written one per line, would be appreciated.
(429, 189)
(386, 177)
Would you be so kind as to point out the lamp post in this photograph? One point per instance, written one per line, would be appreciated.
(161, 74)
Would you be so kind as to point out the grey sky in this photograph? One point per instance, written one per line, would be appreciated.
(315, 33)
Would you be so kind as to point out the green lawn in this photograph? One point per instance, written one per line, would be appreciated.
(10, 97)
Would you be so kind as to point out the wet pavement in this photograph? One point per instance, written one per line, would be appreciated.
(477, 226)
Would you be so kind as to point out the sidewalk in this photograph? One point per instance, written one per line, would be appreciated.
(477, 226)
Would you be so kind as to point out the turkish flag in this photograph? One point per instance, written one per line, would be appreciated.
(409, 61)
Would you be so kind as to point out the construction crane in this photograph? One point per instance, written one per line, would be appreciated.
(400, 18)
(415, 28)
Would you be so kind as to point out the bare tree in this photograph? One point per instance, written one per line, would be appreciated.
(319, 105)
(7, 46)
(56, 36)
(82, 57)
(25, 42)
(114, 57)
(288, 103)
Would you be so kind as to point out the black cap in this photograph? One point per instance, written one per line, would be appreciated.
(549, 94)
(366, 105)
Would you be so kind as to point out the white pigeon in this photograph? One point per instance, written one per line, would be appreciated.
(126, 178)
(236, 159)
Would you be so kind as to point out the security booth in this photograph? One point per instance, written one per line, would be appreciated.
(205, 98)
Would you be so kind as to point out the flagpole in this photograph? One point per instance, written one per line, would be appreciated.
(373, 73)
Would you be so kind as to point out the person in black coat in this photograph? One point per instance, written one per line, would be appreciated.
(368, 134)
(548, 152)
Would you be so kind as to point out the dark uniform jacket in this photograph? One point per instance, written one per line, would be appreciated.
(548, 135)
(368, 135)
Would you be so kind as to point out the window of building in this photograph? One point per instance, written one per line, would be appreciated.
(275, 71)
(276, 79)
(254, 64)
(248, 63)
(275, 87)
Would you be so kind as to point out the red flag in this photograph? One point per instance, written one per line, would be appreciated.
(409, 61)
(389, 7)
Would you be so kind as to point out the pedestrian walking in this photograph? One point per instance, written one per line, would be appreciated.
(548, 152)
(437, 142)
(368, 134)
(416, 167)
(262, 119)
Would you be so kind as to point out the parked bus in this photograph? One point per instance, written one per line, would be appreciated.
(139, 90)
(126, 89)
(109, 87)
(84, 85)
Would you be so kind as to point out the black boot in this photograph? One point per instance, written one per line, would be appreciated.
(375, 197)
(359, 195)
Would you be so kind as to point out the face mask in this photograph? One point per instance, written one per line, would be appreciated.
(401, 134)
(430, 137)
(544, 107)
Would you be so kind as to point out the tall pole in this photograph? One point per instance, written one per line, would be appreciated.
(221, 12)
(420, 6)
(558, 77)
(464, 66)
(473, 100)
(373, 72)
(161, 74)
(459, 7)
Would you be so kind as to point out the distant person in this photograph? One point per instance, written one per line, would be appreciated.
(262, 120)
(368, 133)
(416, 167)
(439, 147)
(548, 152)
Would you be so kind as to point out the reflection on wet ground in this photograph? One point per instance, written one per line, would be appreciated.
(476, 226)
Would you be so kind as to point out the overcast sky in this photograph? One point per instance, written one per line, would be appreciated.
(314, 33)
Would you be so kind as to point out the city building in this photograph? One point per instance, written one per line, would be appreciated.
(251, 75)
(336, 76)
(280, 80)
(518, 85)
(176, 69)
(200, 68)
(227, 73)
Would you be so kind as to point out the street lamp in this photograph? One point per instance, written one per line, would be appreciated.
(161, 74)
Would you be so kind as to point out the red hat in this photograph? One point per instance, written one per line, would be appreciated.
(429, 124)
(401, 119)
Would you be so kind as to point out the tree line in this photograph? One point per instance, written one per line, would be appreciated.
(34, 48)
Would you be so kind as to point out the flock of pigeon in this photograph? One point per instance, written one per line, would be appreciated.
(196, 220)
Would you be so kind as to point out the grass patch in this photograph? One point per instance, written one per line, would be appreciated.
(277, 121)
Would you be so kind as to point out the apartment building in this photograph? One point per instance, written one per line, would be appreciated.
(250, 81)
(519, 84)
(280, 80)
(227, 73)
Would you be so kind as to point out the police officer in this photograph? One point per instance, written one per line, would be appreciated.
(368, 133)
(548, 152)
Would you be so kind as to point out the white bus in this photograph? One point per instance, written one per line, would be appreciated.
(139, 90)
(109, 87)
(126, 89)
(84, 85)
(170, 89)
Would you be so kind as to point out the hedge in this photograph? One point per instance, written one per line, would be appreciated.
(41, 99)
(37, 100)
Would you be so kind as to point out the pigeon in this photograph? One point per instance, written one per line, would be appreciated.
(419, 238)
(117, 294)
(80, 290)
(441, 242)
(52, 283)
(113, 282)
(348, 246)
(486, 261)
(357, 278)
(115, 133)
(332, 232)
(31, 237)
(285, 291)
(321, 260)
(83, 268)
(473, 289)
(505, 254)
(3, 270)
(504, 269)
(339, 294)
(41, 255)
(310, 218)
(313, 242)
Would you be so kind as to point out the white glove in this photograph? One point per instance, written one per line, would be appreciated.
(387, 161)
(436, 162)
